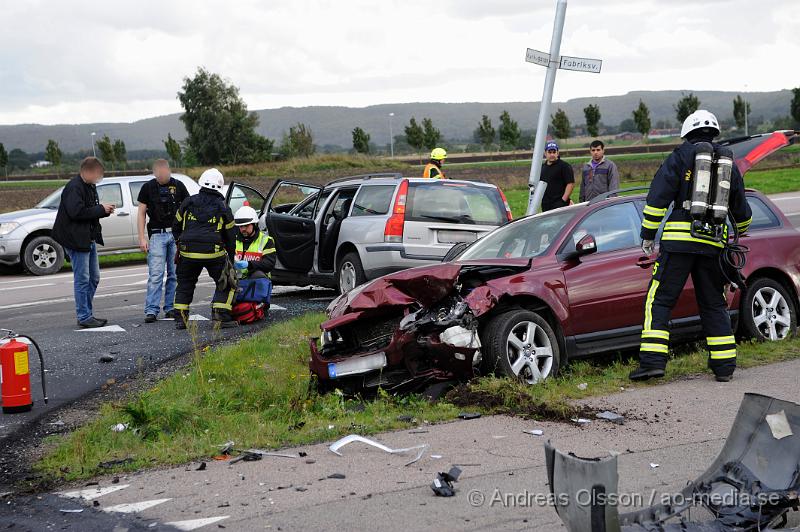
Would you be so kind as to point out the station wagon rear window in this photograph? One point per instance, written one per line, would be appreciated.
(373, 199)
(454, 203)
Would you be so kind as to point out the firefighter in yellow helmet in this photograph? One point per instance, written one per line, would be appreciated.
(433, 169)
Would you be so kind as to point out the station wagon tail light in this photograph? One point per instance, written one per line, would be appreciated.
(505, 202)
(393, 232)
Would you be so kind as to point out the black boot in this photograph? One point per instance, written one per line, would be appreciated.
(723, 378)
(181, 319)
(223, 319)
(643, 374)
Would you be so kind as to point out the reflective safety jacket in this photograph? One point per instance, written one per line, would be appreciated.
(258, 251)
(432, 171)
(672, 185)
(204, 227)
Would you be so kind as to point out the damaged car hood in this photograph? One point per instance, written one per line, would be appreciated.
(425, 286)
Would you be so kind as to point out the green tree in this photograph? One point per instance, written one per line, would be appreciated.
(560, 123)
(795, 106)
(687, 105)
(592, 114)
(627, 125)
(4, 158)
(120, 153)
(641, 117)
(360, 140)
(299, 142)
(173, 149)
(106, 148)
(219, 127)
(430, 134)
(415, 135)
(739, 106)
(484, 133)
(18, 159)
(53, 154)
(508, 132)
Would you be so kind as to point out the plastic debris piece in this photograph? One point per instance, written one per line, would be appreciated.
(338, 476)
(71, 510)
(442, 484)
(581, 420)
(436, 456)
(335, 446)
(201, 467)
(331, 427)
(654, 465)
(613, 417)
(119, 427)
(226, 447)
(106, 358)
(583, 386)
(534, 432)
(779, 425)
(469, 415)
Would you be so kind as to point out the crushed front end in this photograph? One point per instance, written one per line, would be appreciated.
(403, 333)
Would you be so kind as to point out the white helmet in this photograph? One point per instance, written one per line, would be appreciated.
(698, 120)
(212, 178)
(245, 216)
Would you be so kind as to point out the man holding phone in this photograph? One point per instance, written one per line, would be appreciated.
(77, 229)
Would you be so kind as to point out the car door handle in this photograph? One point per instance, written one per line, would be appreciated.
(645, 262)
(123, 213)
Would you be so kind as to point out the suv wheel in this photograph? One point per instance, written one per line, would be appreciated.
(768, 312)
(349, 273)
(520, 344)
(43, 256)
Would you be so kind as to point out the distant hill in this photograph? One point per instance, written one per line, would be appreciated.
(333, 125)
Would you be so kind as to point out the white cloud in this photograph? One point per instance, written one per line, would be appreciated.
(85, 60)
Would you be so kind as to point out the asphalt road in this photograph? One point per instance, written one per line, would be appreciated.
(43, 308)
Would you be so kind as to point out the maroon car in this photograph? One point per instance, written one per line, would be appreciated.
(543, 290)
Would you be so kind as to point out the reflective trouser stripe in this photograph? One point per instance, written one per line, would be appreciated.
(180, 306)
(728, 353)
(647, 224)
(655, 333)
(215, 255)
(720, 340)
(685, 237)
(654, 348)
(228, 304)
(653, 211)
(648, 306)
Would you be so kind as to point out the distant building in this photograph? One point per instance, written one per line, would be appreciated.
(42, 164)
(664, 133)
(628, 135)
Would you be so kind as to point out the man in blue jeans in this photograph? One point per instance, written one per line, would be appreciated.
(77, 229)
(159, 200)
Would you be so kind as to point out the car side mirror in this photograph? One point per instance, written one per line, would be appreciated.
(586, 246)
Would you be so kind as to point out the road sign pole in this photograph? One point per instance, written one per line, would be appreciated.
(535, 187)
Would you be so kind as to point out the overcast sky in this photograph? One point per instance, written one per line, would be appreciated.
(73, 61)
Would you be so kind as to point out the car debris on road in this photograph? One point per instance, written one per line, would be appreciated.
(337, 445)
(442, 485)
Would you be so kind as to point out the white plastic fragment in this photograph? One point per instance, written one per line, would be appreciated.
(652, 465)
(534, 432)
(583, 386)
(335, 446)
(779, 425)
(119, 427)
(581, 420)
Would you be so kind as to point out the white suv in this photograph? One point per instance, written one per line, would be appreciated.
(25, 236)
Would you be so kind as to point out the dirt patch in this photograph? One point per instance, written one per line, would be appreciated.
(22, 198)
(465, 396)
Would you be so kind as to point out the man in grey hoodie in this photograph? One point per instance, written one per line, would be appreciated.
(599, 175)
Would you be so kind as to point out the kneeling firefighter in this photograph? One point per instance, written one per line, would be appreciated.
(255, 259)
(700, 179)
(206, 236)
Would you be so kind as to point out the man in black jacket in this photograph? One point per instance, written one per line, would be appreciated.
(77, 229)
(559, 177)
(206, 237)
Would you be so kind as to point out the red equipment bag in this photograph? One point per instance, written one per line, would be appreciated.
(247, 312)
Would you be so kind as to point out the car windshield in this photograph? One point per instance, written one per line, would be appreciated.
(529, 237)
(52, 201)
(454, 203)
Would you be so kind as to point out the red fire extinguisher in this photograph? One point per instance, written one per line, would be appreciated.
(15, 377)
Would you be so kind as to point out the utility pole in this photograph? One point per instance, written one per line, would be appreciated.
(391, 137)
(553, 62)
(94, 151)
(746, 112)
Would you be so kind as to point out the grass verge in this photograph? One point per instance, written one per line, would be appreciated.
(257, 393)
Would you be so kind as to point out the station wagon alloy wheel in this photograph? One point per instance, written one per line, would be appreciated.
(529, 352)
(771, 314)
(347, 277)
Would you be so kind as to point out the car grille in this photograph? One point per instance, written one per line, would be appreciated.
(375, 334)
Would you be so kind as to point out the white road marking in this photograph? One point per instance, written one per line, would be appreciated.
(107, 328)
(27, 286)
(132, 507)
(193, 524)
(89, 494)
(276, 307)
(197, 317)
(785, 198)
